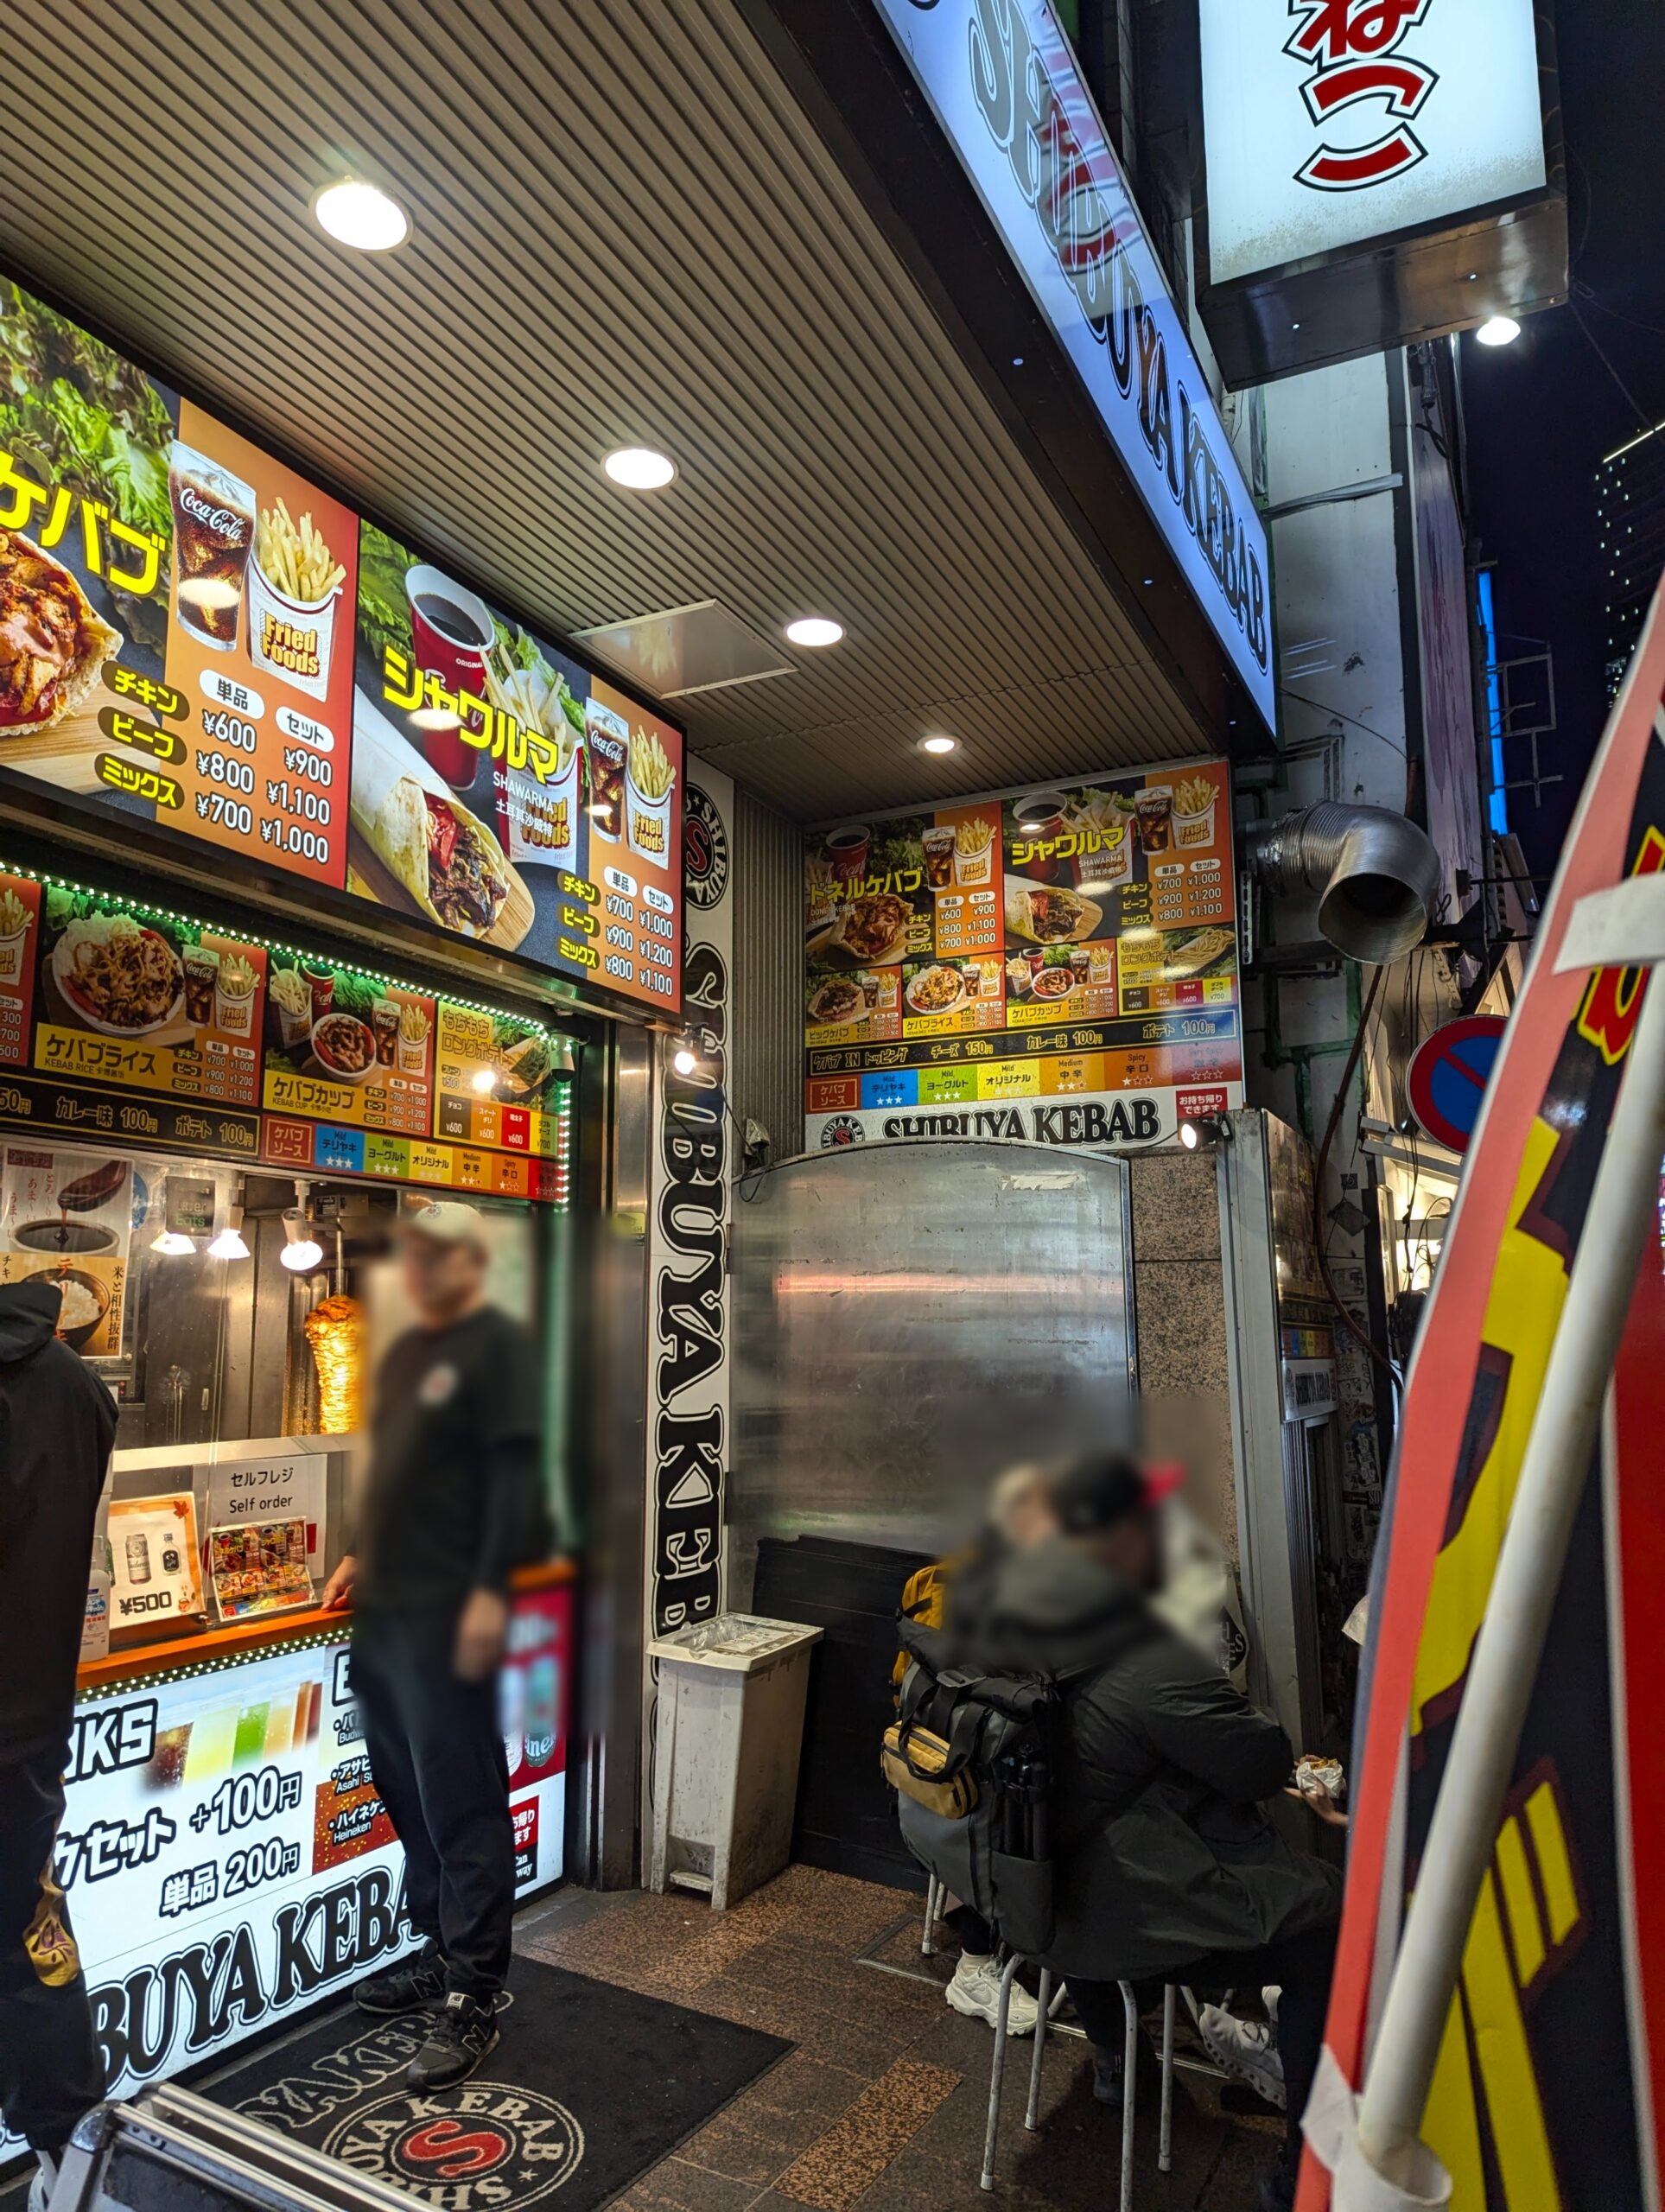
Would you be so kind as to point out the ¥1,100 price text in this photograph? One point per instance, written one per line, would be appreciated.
(243, 1799)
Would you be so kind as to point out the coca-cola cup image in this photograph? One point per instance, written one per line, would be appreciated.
(213, 531)
(451, 632)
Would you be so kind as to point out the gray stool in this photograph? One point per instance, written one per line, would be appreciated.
(1129, 2075)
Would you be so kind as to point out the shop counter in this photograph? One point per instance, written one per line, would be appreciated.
(226, 1859)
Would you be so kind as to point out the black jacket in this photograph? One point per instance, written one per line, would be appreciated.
(1165, 1854)
(57, 1424)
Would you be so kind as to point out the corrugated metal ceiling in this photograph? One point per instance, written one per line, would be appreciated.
(625, 230)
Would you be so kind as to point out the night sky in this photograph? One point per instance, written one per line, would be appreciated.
(1542, 413)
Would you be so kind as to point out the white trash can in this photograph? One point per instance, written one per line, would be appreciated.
(727, 1740)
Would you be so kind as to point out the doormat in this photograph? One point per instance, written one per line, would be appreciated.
(588, 2086)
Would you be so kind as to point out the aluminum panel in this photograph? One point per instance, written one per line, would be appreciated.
(912, 1318)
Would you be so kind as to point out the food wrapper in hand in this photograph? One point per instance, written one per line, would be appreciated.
(1322, 1777)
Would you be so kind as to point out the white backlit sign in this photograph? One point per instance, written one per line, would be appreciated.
(1330, 122)
(1003, 82)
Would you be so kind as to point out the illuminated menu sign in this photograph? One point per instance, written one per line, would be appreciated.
(247, 664)
(121, 1020)
(1056, 964)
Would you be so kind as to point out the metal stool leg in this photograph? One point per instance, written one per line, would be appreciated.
(1165, 2142)
(996, 2077)
(1042, 2015)
(1130, 2083)
(933, 1908)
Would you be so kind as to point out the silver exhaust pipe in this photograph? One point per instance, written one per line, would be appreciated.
(1379, 879)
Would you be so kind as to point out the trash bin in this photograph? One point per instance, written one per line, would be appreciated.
(729, 1728)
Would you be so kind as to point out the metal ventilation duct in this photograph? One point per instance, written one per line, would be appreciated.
(1377, 876)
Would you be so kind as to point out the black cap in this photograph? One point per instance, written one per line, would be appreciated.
(1098, 1489)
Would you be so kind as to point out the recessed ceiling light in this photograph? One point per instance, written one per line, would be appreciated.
(943, 744)
(815, 630)
(361, 215)
(1501, 330)
(640, 469)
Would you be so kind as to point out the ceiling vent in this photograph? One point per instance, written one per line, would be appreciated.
(685, 649)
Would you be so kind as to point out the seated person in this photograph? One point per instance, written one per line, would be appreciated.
(1168, 1868)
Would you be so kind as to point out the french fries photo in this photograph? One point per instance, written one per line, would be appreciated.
(974, 837)
(294, 557)
(1194, 795)
(649, 766)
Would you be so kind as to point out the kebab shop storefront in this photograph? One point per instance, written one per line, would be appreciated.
(317, 868)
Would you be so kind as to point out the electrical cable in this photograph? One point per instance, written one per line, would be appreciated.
(1644, 421)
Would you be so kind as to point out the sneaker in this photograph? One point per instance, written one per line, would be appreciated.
(45, 2181)
(464, 2032)
(975, 1991)
(1108, 2079)
(1247, 2050)
(406, 1987)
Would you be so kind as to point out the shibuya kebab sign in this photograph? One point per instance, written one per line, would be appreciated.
(1001, 79)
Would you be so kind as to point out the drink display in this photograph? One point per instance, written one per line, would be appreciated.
(1155, 817)
(608, 737)
(450, 634)
(213, 530)
(384, 1021)
(201, 966)
(939, 857)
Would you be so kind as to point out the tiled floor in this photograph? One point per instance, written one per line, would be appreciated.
(880, 2107)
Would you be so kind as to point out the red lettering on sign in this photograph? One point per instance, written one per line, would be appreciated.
(1608, 1016)
(1351, 40)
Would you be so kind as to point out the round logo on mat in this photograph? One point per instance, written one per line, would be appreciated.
(482, 2148)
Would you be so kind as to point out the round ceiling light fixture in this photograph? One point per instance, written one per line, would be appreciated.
(1499, 330)
(640, 469)
(941, 743)
(361, 215)
(814, 630)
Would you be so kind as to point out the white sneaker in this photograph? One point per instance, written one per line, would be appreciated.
(1245, 2049)
(45, 2181)
(975, 1991)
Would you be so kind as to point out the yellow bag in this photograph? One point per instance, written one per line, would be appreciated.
(913, 1760)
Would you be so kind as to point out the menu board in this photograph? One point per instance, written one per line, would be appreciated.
(1056, 964)
(65, 1223)
(241, 660)
(127, 1022)
(146, 1002)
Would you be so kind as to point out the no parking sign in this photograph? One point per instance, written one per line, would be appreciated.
(1448, 1076)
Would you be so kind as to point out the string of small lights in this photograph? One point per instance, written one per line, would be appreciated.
(237, 1655)
(280, 945)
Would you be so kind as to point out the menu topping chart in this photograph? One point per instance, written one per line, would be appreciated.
(1072, 943)
(246, 663)
(131, 1024)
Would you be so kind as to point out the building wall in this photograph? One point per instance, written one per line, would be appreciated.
(767, 1052)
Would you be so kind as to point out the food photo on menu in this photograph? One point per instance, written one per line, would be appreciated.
(186, 1001)
(259, 1566)
(329, 1026)
(175, 604)
(67, 1220)
(468, 778)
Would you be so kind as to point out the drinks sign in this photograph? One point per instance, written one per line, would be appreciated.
(1058, 964)
(238, 660)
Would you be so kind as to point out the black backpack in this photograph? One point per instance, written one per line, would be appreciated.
(971, 1757)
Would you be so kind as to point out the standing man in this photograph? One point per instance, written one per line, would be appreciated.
(57, 1424)
(453, 1501)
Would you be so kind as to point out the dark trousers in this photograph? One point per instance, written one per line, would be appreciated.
(49, 2071)
(973, 1932)
(438, 1760)
(1302, 1967)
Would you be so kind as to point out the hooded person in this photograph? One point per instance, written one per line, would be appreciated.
(1167, 1866)
(57, 1425)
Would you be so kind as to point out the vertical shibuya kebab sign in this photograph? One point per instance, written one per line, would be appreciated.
(1003, 83)
(688, 1236)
